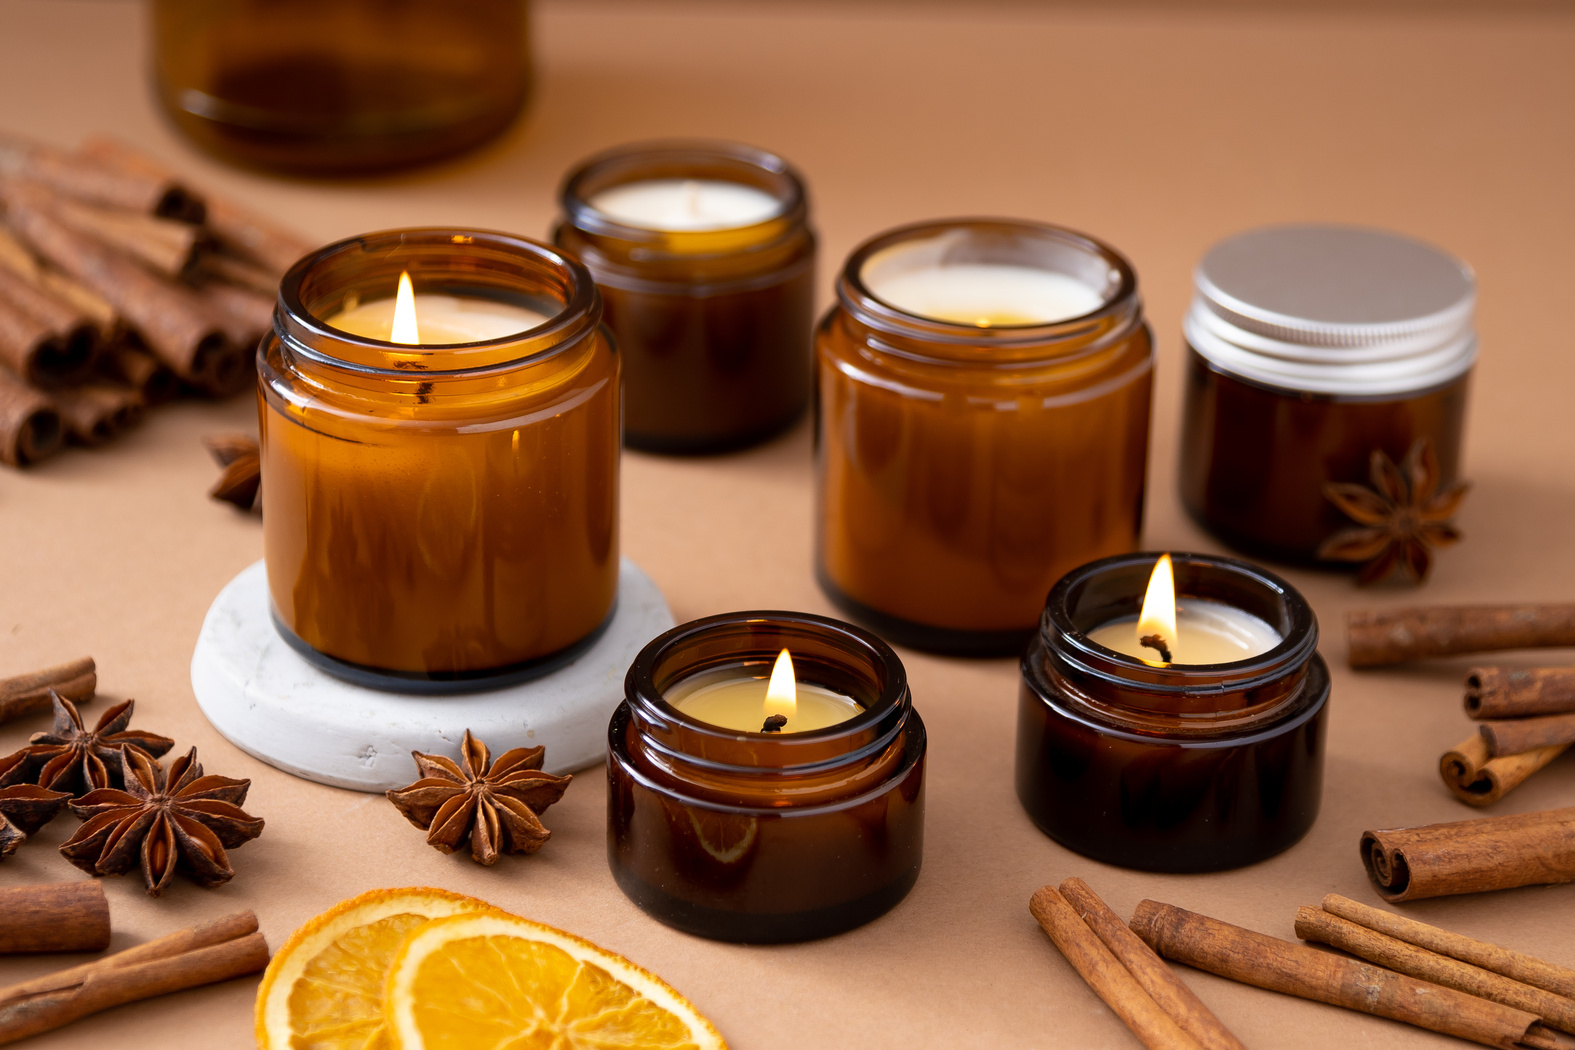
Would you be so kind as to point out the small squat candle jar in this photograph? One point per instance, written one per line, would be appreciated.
(982, 427)
(441, 467)
(1130, 753)
(1309, 349)
(706, 263)
(724, 821)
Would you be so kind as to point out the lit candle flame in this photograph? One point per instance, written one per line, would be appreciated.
(1156, 626)
(781, 691)
(405, 314)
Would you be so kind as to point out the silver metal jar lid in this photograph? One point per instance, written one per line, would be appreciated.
(1334, 310)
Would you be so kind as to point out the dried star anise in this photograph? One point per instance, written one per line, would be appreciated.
(1400, 519)
(242, 463)
(493, 804)
(164, 821)
(24, 808)
(71, 757)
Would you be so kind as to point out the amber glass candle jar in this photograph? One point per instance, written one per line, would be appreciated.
(340, 85)
(439, 515)
(762, 837)
(1179, 767)
(1310, 348)
(706, 263)
(964, 464)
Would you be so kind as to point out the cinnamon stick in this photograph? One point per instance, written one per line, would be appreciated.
(30, 428)
(1471, 856)
(1476, 777)
(168, 247)
(1526, 969)
(119, 985)
(27, 694)
(1109, 980)
(1150, 972)
(1378, 638)
(42, 338)
(1499, 692)
(59, 917)
(1314, 924)
(1514, 736)
(141, 371)
(96, 413)
(1295, 969)
(88, 179)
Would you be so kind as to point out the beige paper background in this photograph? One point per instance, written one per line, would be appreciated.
(1157, 132)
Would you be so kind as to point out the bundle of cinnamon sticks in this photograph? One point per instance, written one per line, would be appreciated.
(120, 287)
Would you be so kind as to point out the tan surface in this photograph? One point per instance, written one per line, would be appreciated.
(1157, 133)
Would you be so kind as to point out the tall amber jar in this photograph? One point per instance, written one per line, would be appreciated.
(439, 517)
(961, 470)
(340, 85)
(1309, 348)
(714, 324)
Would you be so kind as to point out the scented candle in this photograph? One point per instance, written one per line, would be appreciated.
(1145, 762)
(982, 427)
(705, 259)
(746, 833)
(442, 514)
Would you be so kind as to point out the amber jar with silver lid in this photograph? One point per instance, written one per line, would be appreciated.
(1309, 348)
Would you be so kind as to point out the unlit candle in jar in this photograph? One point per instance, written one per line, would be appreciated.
(919, 278)
(686, 204)
(1207, 632)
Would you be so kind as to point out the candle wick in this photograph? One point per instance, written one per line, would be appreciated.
(774, 724)
(1155, 641)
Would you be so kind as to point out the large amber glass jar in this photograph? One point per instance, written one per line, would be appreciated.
(340, 85)
(962, 468)
(438, 515)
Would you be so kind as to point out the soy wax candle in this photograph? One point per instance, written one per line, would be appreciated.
(706, 263)
(1148, 745)
(439, 413)
(726, 825)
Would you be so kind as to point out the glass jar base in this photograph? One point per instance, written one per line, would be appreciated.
(944, 640)
(756, 928)
(439, 683)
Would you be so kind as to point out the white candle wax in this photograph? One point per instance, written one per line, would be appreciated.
(918, 278)
(1207, 632)
(686, 204)
(442, 319)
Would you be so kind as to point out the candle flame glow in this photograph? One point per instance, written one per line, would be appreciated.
(1159, 610)
(782, 690)
(405, 314)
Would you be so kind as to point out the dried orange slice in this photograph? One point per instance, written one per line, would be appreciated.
(492, 981)
(324, 988)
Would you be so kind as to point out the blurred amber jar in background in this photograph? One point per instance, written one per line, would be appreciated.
(982, 438)
(340, 85)
(440, 514)
(706, 263)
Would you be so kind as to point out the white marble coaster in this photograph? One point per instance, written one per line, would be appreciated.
(268, 701)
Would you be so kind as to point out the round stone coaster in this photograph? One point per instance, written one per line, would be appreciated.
(268, 701)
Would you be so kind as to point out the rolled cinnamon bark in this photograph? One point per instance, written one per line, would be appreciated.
(1514, 736)
(27, 694)
(1149, 970)
(43, 339)
(1471, 856)
(30, 428)
(141, 371)
(1378, 638)
(58, 917)
(83, 177)
(1527, 969)
(1295, 969)
(171, 319)
(1314, 924)
(1500, 692)
(168, 247)
(1478, 778)
(98, 412)
(241, 273)
(1109, 980)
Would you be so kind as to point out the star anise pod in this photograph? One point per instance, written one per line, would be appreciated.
(71, 757)
(1399, 520)
(162, 821)
(24, 808)
(242, 463)
(493, 804)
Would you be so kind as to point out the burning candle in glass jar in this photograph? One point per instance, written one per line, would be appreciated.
(734, 698)
(1185, 631)
(434, 320)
